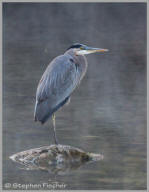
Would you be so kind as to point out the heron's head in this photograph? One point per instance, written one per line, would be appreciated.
(81, 49)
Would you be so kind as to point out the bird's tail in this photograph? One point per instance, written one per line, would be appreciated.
(43, 112)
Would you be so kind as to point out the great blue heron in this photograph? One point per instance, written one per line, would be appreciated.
(59, 80)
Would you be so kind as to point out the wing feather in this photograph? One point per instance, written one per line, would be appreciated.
(57, 83)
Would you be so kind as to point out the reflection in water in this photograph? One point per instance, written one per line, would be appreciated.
(57, 159)
(107, 113)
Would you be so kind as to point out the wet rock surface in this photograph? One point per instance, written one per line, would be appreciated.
(54, 158)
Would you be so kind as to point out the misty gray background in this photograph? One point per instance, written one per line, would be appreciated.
(107, 113)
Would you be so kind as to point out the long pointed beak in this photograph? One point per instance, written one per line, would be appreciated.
(88, 50)
(94, 50)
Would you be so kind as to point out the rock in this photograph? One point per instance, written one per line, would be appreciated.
(54, 158)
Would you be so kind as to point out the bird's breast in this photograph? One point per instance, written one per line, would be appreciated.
(81, 65)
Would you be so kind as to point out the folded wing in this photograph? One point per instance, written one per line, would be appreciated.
(54, 89)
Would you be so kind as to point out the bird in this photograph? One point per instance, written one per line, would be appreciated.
(61, 77)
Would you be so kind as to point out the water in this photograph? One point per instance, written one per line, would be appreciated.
(107, 113)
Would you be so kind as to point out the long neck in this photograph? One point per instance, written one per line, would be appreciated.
(79, 60)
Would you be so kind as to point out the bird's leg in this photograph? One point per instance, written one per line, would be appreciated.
(54, 129)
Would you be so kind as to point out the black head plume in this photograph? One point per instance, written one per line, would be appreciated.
(76, 45)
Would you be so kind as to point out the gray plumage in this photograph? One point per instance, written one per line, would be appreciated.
(58, 82)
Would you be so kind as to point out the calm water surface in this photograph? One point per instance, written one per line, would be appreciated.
(107, 113)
